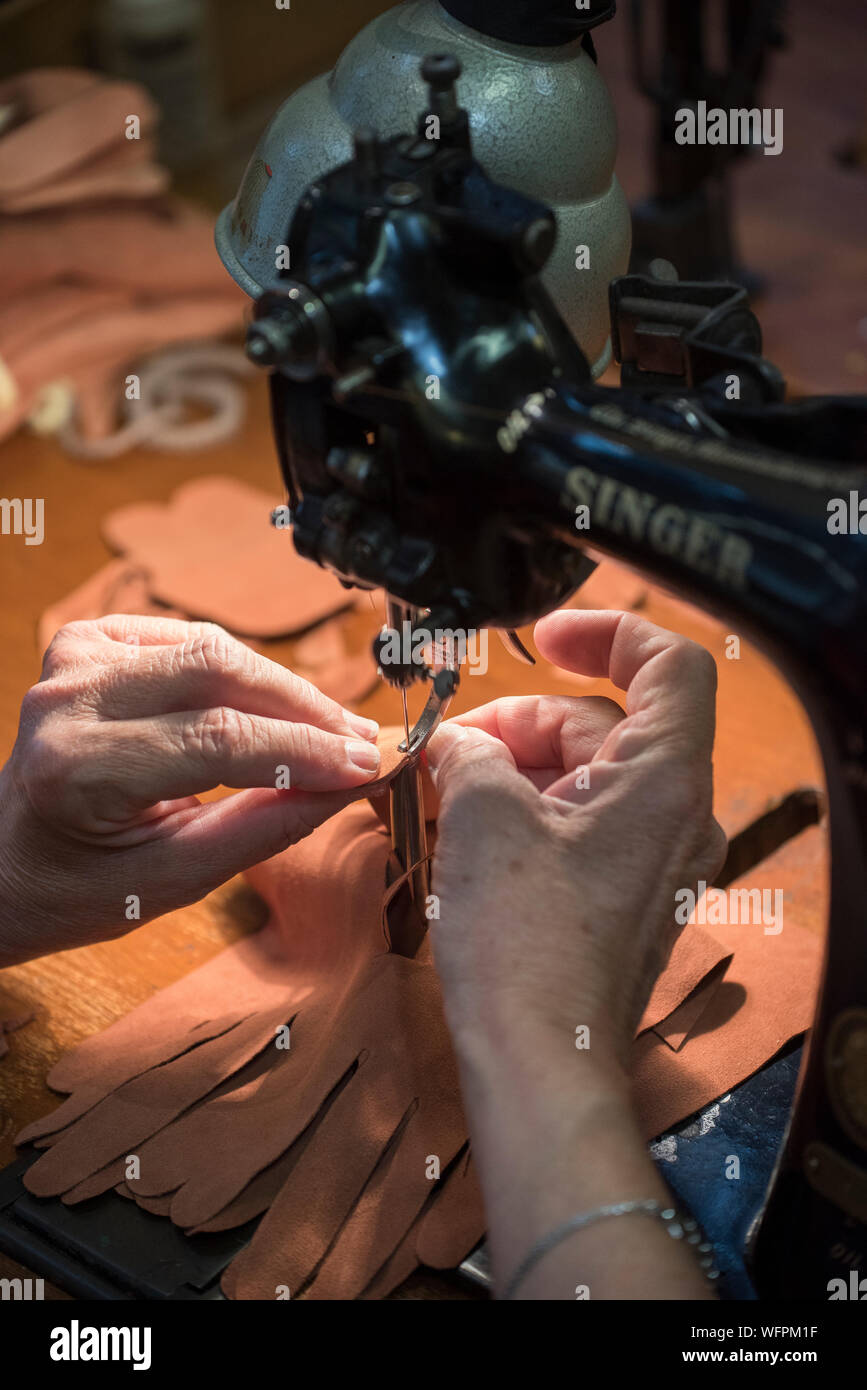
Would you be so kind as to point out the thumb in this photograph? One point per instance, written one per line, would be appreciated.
(465, 757)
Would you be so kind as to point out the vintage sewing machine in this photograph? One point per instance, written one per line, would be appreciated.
(433, 348)
(441, 437)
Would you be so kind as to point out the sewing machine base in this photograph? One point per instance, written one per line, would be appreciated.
(108, 1248)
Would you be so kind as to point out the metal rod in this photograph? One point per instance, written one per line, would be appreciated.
(409, 841)
(405, 718)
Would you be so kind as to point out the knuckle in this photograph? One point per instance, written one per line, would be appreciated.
(54, 658)
(588, 715)
(43, 770)
(57, 774)
(216, 730)
(65, 640)
(40, 701)
(76, 631)
(698, 663)
(211, 649)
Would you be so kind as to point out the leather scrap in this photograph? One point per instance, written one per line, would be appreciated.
(331, 1139)
(696, 955)
(119, 587)
(267, 590)
(766, 999)
(323, 658)
(99, 265)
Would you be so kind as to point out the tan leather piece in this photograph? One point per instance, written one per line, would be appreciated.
(110, 176)
(103, 338)
(121, 1122)
(98, 267)
(267, 590)
(331, 1139)
(257, 1196)
(157, 1206)
(150, 255)
(401, 1107)
(388, 740)
(123, 586)
(322, 657)
(676, 1028)
(258, 1122)
(65, 123)
(252, 1115)
(319, 934)
(119, 587)
(112, 1175)
(695, 956)
(766, 999)
(447, 1230)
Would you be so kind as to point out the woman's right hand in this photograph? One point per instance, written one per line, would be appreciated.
(565, 829)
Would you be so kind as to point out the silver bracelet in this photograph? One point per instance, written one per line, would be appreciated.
(679, 1227)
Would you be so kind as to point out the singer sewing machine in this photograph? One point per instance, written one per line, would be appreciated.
(441, 437)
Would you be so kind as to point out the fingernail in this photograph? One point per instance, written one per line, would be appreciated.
(368, 728)
(363, 755)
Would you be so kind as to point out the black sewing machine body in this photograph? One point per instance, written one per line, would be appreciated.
(382, 490)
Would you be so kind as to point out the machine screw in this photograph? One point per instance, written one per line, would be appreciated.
(291, 332)
(441, 71)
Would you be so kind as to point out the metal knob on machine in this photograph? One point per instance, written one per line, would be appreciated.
(292, 331)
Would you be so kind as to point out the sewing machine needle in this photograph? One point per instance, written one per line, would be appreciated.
(405, 716)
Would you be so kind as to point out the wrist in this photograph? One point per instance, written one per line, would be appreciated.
(538, 1056)
(20, 883)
